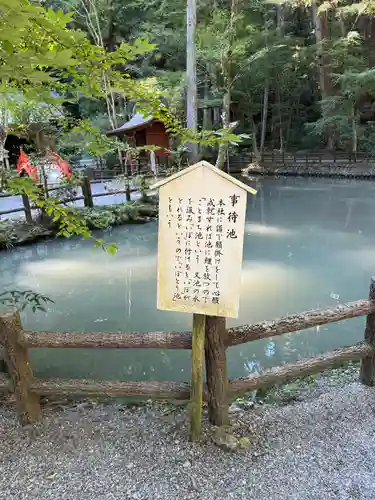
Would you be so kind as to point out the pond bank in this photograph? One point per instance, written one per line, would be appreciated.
(18, 232)
(321, 447)
(345, 170)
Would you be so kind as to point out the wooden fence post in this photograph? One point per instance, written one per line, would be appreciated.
(86, 192)
(17, 360)
(367, 372)
(216, 371)
(27, 208)
(128, 192)
(197, 358)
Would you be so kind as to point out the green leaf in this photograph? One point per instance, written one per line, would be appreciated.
(7, 46)
(112, 249)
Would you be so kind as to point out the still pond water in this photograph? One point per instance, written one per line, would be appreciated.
(308, 243)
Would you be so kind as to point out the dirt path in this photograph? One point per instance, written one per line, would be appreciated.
(323, 448)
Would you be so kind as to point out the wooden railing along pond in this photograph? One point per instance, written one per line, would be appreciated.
(87, 196)
(320, 157)
(28, 390)
(323, 160)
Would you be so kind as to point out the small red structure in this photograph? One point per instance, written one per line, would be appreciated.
(24, 164)
(52, 161)
(144, 131)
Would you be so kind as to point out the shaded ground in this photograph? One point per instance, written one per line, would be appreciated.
(322, 448)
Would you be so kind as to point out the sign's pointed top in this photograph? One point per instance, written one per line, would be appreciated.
(204, 164)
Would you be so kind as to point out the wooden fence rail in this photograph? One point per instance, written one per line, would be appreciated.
(182, 340)
(275, 160)
(27, 389)
(301, 368)
(87, 197)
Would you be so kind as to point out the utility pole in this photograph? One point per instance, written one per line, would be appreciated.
(191, 75)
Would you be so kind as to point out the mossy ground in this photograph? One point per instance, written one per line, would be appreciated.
(17, 232)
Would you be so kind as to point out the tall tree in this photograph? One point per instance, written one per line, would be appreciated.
(227, 79)
(321, 28)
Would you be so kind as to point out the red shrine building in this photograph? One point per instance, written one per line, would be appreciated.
(144, 131)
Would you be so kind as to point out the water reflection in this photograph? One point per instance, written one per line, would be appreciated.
(264, 230)
(308, 243)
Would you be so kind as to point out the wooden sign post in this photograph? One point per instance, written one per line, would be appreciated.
(201, 230)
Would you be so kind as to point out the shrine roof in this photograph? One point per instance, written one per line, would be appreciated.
(138, 121)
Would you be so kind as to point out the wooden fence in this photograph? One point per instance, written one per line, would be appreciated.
(276, 160)
(87, 196)
(319, 158)
(218, 390)
(269, 160)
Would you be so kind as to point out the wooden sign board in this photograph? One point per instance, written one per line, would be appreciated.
(201, 230)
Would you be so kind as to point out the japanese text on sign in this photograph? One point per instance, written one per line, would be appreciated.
(203, 229)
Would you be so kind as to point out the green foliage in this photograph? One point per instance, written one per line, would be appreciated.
(85, 137)
(21, 299)
(69, 223)
(32, 41)
(30, 118)
(35, 43)
(105, 217)
(6, 236)
(83, 69)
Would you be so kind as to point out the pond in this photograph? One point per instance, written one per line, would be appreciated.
(308, 243)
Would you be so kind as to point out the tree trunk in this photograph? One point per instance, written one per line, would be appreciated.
(215, 91)
(216, 116)
(254, 138)
(354, 131)
(318, 38)
(191, 75)
(226, 71)
(289, 124)
(371, 41)
(281, 132)
(280, 32)
(264, 116)
(207, 112)
(321, 27)
(280, 19)
(223, 147)
(94, 27)
(265, 94)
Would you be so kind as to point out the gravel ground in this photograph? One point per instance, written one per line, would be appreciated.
(322, 448)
